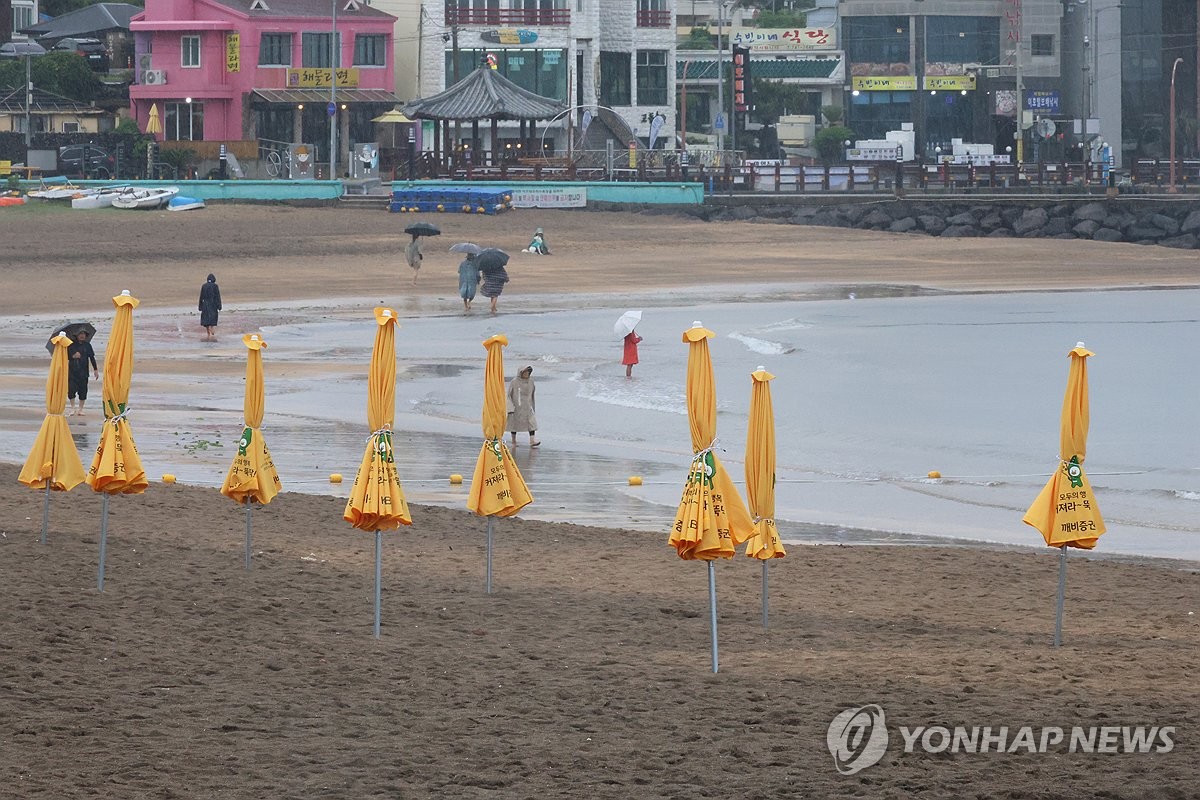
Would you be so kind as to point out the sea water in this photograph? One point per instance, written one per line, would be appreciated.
(872, 392)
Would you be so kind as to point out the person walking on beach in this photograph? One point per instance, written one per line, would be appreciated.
(79, 355)
(468, 280)
(414, 256)
(521, 406)
(493, 284)
(630, 356)
(210, 305)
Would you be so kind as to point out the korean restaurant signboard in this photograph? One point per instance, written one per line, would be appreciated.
(319, 77)
(884, 83)
(949, 83)
(784, 38)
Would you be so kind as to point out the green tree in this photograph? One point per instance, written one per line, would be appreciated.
(834, 114)
(65, 74)
(784, 19)
(698, 39)
(831, 143)
(773, 99)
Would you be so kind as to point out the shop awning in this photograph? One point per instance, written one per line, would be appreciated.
(296, 96)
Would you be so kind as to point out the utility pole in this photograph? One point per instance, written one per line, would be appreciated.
(454, 63)
(720, 68)
(1020, 134)
(334, 62)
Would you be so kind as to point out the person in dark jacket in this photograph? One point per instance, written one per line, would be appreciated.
(79, 355)
(210, 304)
(493, 284)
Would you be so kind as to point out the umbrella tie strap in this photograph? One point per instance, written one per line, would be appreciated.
(701, 455)
(385, 430)
(122, 416)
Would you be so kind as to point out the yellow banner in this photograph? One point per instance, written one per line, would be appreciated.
(317, 77)
(949, 83)
(233, 52)
(884, 83)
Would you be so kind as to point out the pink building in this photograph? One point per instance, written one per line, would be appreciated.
(228, 70)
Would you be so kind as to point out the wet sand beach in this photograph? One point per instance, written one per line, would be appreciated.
(587, 672)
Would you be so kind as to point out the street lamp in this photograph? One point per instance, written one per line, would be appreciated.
(26, 50)
(1171, 187)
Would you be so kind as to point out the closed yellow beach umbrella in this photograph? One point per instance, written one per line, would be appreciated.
(711, 519)
(497, 487)
(764, 544)
(116, 467)
(252, 477)
(53, 462)
(376, 499)
(153, 122)
(1065, 512)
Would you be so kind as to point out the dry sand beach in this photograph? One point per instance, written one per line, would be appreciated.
(587, 672)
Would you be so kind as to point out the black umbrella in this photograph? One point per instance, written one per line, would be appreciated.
(71, 329)
(491, 260)
(423, 229)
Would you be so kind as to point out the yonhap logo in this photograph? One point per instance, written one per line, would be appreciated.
(857, 738)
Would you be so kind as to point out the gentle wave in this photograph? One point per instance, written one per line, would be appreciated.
(762, 346)
(619, 391)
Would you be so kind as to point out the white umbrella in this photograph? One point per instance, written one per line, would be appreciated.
(625, 325)
(470, 248)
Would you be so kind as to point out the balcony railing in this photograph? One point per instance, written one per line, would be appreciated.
(509, 16)
(653, 19)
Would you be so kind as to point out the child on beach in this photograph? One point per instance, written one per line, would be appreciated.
(413, 255)
(630, 356)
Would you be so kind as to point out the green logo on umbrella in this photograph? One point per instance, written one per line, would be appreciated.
(704, 467)
(1075, 472)
(244, 442)
(383, 446)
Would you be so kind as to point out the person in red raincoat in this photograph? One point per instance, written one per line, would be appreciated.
(630, 357)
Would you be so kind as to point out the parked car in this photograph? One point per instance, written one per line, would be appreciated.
(93, 50)
(100, 163)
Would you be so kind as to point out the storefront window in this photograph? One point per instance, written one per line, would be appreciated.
(614, 79)
(541, 71)
(652, 77)
(873, 114)
(877, 41)
(183, 122)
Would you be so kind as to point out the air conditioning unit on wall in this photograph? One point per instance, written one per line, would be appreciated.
(154, 77)
(144, 62)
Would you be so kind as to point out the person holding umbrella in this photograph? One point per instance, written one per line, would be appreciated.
(412, 251)
(468, 280)
(79, 354)
(625, 329)
(491, 263)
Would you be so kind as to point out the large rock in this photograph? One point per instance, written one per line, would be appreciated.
(1144, 233)
(932, 223)
(828, 219)
(742, 213)
(1120, 221)
(1169, 225)
(1108, 235)
(965, 218)
(1094, 212)
(805, 213)
(1030, 221)
(1185, 242)
(855, 213)
(876, 219)
(1011, 214)
(1086, 228)
(1056, 226)
(903, 225)
(775, 212)
(991, 221)
(1000, 233)
(955, 231)
(1191, 223)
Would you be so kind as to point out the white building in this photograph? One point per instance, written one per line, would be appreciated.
(24, 15)
(616, 56)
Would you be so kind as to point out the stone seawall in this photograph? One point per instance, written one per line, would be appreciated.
(1170, 223)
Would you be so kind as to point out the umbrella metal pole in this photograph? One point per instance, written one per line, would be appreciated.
(103, 541)
(46, 510)
(1062, 590)
(378, 577)
(249, 517)
(764, 592)
(712, 607)
(490, 525)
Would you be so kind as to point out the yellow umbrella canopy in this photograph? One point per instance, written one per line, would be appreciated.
(1065, 511)
(711, 519)
(116, 467)
(760, 469)
(497, 487)
(252, 476)
(153, 123)
(377, 500)
(53, 461)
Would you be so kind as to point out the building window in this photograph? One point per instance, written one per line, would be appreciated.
(954, 41)
(275, 50)
(369, 50)
(70, 127)
(183, 122)
(614, 79)
(189, 51)
(316, 50)
(651, 77)
(653, 14)
(877, 45)
(22, 17)
(1041, 44)
(542, 71)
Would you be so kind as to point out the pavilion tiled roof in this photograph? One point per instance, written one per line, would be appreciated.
(485, 94)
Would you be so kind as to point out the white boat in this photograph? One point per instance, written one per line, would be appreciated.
(181, 203)
(97, 198)
(59, 188)
(142, 197)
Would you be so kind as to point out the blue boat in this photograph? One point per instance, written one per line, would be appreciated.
(181, 203)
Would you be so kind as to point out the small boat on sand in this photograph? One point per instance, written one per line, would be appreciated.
(143, 197)
(97, 198)
(56, 188)
(181, 203)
